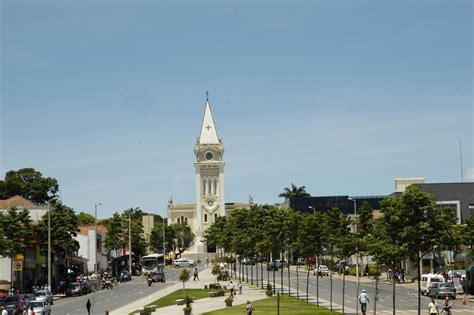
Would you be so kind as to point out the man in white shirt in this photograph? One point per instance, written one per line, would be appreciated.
(363, 300)
(4, 312)
(433, 307)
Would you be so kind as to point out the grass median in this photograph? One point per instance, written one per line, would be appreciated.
(288, 305)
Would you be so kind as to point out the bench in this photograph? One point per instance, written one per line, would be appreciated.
(180, 301)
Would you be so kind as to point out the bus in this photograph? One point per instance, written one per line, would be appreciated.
(152, 263)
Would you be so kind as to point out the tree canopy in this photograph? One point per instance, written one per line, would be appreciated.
(294, 192)
(15, 232)
(30, 184)
(85, 219)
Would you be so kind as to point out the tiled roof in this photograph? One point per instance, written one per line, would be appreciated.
(16, 201)
(84, 230)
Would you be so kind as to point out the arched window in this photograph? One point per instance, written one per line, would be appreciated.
(186, 219)
(215, 217)
(205, 217)
(178, 220)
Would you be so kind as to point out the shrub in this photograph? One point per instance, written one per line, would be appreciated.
(198, 260)
(187, 310)
(188, 300)
(269, 293)
(269, 287)
(215, 286)
(147, 311)
(228, 301)
(221, 292)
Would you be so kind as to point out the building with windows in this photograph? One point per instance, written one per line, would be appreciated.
(209, 182)
(91, 248)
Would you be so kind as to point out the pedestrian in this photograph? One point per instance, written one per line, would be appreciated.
(32, 311)
(367, 270)
(249, 308)
(232, 288)
(4, 311)
(432, 307)
(363, 300)
(207, 261)
(447, 306)
(240, 287)
(195, 274)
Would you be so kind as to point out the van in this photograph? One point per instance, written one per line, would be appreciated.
(427, 279)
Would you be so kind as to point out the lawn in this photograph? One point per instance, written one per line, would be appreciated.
(171, 298)
(288, 305)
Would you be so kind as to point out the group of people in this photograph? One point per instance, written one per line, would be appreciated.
(398, 275)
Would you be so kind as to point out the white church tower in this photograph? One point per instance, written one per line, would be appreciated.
(209, 169)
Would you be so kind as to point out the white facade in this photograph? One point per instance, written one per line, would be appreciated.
(209, 174)
(91, 250)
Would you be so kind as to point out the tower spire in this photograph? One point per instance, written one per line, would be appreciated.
(208, 128)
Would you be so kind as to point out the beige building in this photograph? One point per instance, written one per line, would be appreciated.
(209, 180)
(402, 183)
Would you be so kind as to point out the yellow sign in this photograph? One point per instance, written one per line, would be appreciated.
(19, 256)
(17, 265)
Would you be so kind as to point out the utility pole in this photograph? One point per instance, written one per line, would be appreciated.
(130, 244)
(460, 155)
(164, 244)
(49, 246)
(96, 238)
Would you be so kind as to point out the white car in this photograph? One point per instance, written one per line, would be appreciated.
(184, 262)
(323, 270)
(41, 307)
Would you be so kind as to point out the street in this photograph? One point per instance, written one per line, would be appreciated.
(108, 300)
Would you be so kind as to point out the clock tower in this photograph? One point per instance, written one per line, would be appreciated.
(209, 170)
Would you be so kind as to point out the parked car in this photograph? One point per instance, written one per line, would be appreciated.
(248, 261)
(272, 266)
(322, 271)
(281, 263)
(76, 289)
(40, 307)
(184, 262)
(27, 297)
(13, 303)
(441, 290)
(44, 295)
(427, 280)
(158, 276)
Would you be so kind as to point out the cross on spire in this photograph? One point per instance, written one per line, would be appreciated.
(208, 127)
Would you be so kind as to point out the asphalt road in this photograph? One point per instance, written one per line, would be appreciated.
(108, 300)
(405, 299)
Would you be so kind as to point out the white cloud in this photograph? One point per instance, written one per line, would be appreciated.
(469, 174)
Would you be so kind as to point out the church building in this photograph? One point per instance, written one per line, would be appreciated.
(209, 180)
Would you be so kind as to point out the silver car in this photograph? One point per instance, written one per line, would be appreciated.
(184, 262)
(41, 307)
(44, 295)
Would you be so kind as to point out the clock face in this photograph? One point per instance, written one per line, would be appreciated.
(210, 203)
(209, 156)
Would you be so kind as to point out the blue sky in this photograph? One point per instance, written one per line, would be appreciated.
(338, 96)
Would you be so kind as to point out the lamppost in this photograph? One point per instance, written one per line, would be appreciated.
(357, 250)
(164, 244)
(95, 246)
(314, 210)
(49, 246)
(130, 244)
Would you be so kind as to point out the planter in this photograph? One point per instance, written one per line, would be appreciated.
(187, 310)
(269, 293)
(228, 302)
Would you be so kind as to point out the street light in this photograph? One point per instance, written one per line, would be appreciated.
(357, 250)
(95, 246)
(314, 210)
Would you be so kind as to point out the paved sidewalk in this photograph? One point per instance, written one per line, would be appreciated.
(199, 306)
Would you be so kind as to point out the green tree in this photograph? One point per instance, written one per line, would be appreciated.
(294, 192)
(311, 239)
(139, 243)
(16, 232)
(64, 228)
(184, 276)
(85, 219)
(114, 239)
(156, 237)
(427, 226)
(183, 238)
(30, 184)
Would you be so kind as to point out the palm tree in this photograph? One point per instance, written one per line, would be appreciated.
(294, 192)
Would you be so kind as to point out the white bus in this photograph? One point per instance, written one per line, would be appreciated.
(152, 263)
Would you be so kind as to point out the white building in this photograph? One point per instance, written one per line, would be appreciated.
(209, 180)
(91, 247)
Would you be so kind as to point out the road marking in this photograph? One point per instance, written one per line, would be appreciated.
(115, 296)
(98, 302)
(78, 310)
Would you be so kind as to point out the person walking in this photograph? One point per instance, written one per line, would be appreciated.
(239, 284)
(207, 261)
(4, 311)
(433, 307)
(232, 289)
(363, 300)
(447, 307)
(249, 308)
(31, 312)
(195, 274)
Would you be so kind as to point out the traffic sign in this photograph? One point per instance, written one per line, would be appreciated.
(18, 265)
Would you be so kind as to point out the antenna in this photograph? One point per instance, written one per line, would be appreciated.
(460, 155)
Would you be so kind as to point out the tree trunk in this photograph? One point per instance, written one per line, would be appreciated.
(261, 272)
(307, 285)
(274, 289)
(281, 272)
(358, 287)
(251, 274)
(317, 286)
(256, 272)
(418, 271)
(343, 285)
(297, 282)
(289, 278)
(376, 296)
(330, 282)
(393, 290)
